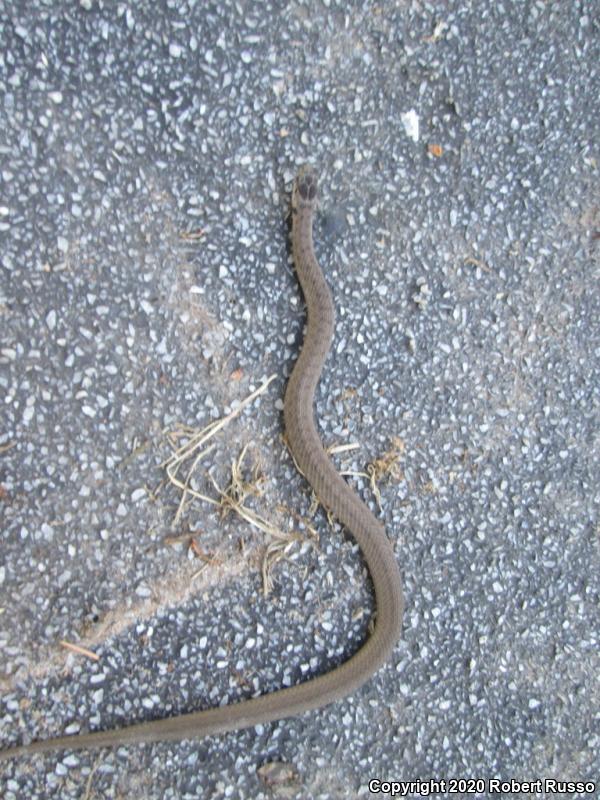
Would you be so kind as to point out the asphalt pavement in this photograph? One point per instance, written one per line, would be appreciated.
(146, 289)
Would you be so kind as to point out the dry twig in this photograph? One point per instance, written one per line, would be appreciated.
(82, 651)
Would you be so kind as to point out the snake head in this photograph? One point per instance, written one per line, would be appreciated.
(304, 193)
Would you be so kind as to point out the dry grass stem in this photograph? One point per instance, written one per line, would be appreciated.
(351, 473)
(476, 262)
(195, 440)
(198, 438)
(82, 651)
(334, 449)
(192, 236)
(88, 786)
(198, 572)
(185, 486)
(185, 459)
(232, 499)
(275, 552)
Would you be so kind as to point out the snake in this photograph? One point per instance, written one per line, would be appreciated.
(335, 495)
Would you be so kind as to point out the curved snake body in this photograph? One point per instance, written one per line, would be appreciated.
(334, 494)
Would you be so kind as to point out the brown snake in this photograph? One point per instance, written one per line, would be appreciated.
(334, 494)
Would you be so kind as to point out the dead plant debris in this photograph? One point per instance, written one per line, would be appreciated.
(246, 482)
(387, 467)
(192, 236)
(82, 651)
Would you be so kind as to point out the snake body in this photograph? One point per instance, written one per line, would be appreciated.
(334, 494)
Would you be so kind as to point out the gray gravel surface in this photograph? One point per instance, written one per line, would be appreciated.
(146, 154)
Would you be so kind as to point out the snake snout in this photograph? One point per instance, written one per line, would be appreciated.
(306, 184)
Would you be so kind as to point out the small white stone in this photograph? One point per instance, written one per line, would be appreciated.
(47, 531)
(74, 727)
(410, 120)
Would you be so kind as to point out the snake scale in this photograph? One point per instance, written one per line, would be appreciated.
(334, 494)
